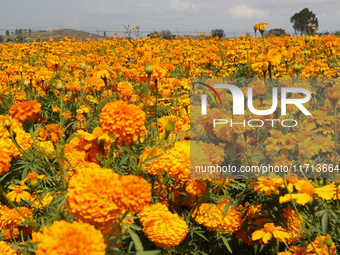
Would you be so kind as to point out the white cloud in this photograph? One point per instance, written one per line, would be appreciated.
(182, 5)
(245, 12)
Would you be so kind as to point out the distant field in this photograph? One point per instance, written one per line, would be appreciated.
(54, 34)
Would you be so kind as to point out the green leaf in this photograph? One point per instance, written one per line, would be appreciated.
(225, 241)
(134, 226)
(136, 240)
(201, 235)
(324, 222)
(225, 210)
(152, 159)
(148, 252)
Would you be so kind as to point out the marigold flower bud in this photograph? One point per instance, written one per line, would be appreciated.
(148, 69)
(170, 126)
(83, 66)
(307, 39)
(265, 67)
(297, 68)
(34, 183)
(328, 240)
(59, 86)
(7, 124)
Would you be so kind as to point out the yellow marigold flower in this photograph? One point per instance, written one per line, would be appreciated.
(92, 188)
(83, 109)
(18, 193)
(184, 100)
(52, 131)
(102, 74)
(333, 94)
(122, 120)
(5, 162)
(308, 192)
(135, 194)
(162, 227)
(269, 230)
(25, 111)
(56, 109)
(47, 147)
(72, 239)
(6, 250)
(41, 202)
(268, 184)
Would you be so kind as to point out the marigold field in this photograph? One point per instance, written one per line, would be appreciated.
(95, 151)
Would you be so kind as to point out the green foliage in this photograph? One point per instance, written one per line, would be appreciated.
(218, 33)
(166, 34)
(277, 32)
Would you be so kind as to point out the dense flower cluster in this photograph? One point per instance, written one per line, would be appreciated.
(105, 145)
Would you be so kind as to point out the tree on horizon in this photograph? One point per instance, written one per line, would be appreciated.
(304, 22)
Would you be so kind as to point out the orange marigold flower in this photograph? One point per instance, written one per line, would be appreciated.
(196, 187)
(20, 96)
(52, 131)
(269, 230)
(25, 111)
(90, 195)
(122, 120)
(176, 161)
(125, 88)
(18, 193)
(333, 94)
(317, 245)
(155, 166)
(72, 239)
(211, 216)
(6, 250)
(162, 227)
(293, 224)
(11, 218)
(5, 162)
(9, 234)
(135, 194)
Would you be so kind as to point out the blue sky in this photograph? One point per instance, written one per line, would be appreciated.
(235, 17)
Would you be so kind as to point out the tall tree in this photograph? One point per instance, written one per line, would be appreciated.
(7, 32)
(217, 33)
(304, 21)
